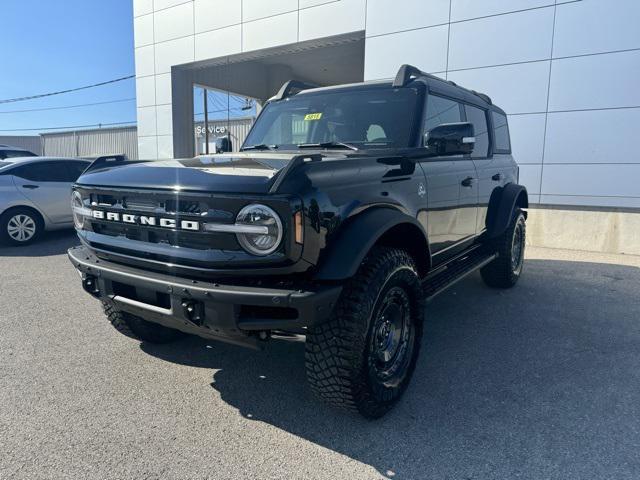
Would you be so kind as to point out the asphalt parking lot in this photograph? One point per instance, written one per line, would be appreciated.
(541, 382)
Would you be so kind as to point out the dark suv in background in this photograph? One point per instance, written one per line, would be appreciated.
(347, 208)
(7, 151)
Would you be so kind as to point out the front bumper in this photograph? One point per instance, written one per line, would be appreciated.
(225, 312)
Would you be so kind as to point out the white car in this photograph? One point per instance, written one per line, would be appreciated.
(34, 196)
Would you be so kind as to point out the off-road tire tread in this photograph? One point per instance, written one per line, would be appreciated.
(137, 328)
(498, 273)
(335, 350)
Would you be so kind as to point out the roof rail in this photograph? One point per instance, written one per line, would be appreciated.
(483, 96)
(407, 72)
(292, 87)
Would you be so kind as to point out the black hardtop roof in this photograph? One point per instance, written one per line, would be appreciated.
(407, 76)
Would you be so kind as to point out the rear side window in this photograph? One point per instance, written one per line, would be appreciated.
(43, 172)
(440, 110)
(478, 118)
(501, 133)
(75, 169)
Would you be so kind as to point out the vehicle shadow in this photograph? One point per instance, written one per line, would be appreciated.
(50, 243)
(540, 381)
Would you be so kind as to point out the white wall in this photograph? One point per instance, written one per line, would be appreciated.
(174, 32)
(567, 72)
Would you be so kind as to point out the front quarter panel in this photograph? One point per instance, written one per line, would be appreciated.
(335, 190)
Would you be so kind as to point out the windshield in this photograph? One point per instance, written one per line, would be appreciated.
(375, 118)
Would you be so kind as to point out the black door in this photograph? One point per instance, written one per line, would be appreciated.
(452, 189)
(494, 167)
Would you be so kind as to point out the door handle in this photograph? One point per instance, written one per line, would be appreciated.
(496, 177)
(467, 182)
(30, 187)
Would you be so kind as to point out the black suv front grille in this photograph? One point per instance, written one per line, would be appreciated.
(198, 208)
(178, 246)
(169, 205)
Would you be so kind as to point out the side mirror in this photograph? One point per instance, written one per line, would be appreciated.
(223, 145)
(451, 139)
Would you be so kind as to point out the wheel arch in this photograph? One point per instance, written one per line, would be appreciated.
(502, 205)
(383, 226)
(41, 217)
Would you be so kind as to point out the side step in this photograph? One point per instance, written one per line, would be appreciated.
(455, 270)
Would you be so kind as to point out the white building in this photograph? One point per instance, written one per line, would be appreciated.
(567, 72)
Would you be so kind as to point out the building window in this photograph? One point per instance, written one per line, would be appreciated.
(218, 114)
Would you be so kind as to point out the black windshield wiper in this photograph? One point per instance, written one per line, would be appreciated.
(327, 145)
(259, 146)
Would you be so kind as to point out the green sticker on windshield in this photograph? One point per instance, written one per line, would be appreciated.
(312, 116)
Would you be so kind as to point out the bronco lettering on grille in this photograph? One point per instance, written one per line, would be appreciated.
(146, 220)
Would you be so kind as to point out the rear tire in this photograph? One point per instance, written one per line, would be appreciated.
(362, 359)
(20, 226)
(505, 270)
(139, 329)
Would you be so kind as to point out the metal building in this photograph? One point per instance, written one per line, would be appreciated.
(33, 143)
(94, 142)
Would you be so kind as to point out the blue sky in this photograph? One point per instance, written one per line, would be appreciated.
(48, 45)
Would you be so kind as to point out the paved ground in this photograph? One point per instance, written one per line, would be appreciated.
(539, 382)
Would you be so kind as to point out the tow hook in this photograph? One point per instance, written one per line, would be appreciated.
(90, 285)
(194, 311)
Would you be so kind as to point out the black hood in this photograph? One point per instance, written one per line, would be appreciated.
(229, 173)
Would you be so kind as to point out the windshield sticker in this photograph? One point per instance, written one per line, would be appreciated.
(309, 117)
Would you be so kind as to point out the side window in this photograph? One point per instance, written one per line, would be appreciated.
(501, 133)
(42, 172)
(478, 118)
(75, 169)
(440, 110)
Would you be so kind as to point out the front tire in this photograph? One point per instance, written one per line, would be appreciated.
(138, 328)
(505, 270)
(20, 226)
(362, 359)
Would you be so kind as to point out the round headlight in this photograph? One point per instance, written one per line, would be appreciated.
(268, 238)
(77, 208)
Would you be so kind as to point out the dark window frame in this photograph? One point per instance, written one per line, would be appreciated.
(500, 151)
(60, 164)
(489, 122)
(460, 103)
(67, 166)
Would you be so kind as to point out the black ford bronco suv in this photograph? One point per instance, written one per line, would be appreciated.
(346, 209)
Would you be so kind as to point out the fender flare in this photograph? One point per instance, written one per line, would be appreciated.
(351, 244)
(501, 208)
